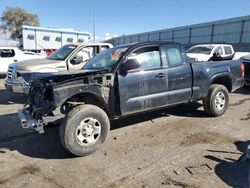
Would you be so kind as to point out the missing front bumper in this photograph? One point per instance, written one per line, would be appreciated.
(27, 121)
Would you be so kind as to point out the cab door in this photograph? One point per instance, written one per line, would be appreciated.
(144, 86)
(178, 72)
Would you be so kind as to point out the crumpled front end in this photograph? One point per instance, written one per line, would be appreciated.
(38, 106)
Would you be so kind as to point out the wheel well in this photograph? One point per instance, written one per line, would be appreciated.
(88, 98)
(225, 81)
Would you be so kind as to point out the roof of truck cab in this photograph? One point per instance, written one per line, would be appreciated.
(91, 44)
(147, 43)
(211, 45)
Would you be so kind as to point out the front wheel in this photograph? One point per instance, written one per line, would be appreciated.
(84, 129)
(216, 102)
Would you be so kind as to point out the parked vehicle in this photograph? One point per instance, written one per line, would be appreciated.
(123, 81)
(49, 51)
(210, 52)
(10, 55)
(214, 52)
(246, 61)
(68, 57)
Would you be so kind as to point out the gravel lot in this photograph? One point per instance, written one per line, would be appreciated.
(176, 147)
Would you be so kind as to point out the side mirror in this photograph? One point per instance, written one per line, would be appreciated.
(216, 57)
(76, 60)
(130, 64)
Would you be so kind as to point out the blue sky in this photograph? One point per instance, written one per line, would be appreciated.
(119, 17)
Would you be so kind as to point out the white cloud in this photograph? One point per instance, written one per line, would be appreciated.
(108, 36)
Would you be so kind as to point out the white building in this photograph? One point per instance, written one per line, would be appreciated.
(37, 38)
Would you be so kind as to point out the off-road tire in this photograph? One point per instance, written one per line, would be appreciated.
(209, 103)
(71, 123)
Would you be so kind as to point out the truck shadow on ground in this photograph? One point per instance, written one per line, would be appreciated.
(244, 90)
(183, 110)
(29, 142)
(6, 97)
(48, 146)
(232, 172)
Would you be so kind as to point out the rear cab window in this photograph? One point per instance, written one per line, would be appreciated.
(228, 50)
(172, 55)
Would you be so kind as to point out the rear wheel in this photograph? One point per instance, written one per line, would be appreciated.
(84, 129)
(216, 102)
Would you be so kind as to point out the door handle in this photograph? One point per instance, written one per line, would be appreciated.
(160, 75)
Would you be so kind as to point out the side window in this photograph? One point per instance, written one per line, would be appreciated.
(31, 37)
(80, 40)
(46, 38)
(58, 39)
(5, 53)
(102, 48)
(147, 57)
(228, 50)
(218, 50)
(171, 54)
(70, 39)
(86, 53)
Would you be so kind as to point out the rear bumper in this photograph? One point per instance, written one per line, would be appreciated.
(27, 121)
(16, 87)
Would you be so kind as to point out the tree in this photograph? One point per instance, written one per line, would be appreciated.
(13, 18)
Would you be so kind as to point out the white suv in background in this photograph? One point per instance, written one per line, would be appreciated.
(10, 55)
(206, 52)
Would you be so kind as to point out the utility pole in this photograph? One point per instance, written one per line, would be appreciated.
(94, 21)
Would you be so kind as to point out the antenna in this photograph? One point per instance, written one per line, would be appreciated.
(94, 22)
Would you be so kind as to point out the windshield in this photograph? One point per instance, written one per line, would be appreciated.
(105, 59)
(201, 50)
(62, 53)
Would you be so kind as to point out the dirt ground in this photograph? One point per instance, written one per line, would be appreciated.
(176, 147)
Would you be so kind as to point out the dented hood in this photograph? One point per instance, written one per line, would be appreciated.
(57, 76)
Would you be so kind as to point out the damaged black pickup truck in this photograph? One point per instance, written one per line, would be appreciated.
(122, 81)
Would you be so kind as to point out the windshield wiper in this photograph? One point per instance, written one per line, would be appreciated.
(96, 68)
(54, 58)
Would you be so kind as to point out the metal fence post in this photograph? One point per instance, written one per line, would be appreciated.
(212, 34)
(241, 31)
(173, 35)
(190, 33)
